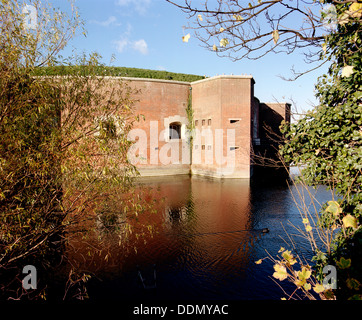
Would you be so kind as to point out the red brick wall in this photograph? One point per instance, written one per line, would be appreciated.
(222, 99)
(215, 101)
(157, 100)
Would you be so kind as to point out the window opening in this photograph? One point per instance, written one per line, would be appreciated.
(175, 131)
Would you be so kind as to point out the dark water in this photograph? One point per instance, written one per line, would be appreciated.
(209, 238)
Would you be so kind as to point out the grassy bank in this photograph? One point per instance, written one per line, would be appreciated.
(118, 71)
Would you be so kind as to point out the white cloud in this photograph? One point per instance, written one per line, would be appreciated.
(141, 46)
(125, 42)
(112, 20)
(138, 45)
(121, 44)
(140, 6)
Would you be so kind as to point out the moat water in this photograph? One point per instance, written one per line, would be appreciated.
(210, 234)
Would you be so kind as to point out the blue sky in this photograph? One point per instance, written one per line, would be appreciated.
(148, 34)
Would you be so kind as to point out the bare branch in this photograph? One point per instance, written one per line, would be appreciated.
(256, 28)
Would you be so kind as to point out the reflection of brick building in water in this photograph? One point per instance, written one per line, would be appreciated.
(228, 120)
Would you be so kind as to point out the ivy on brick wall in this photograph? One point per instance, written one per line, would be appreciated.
(190, 117)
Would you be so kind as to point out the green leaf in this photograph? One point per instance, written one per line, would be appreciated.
(353, 284)
(343, 263)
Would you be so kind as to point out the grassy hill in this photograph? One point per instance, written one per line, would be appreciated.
(117, 71)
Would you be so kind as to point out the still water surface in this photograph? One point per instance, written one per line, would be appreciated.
(209, 237)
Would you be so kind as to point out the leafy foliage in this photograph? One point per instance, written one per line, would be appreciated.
(63, 150)
(292, 268)
(327, 142)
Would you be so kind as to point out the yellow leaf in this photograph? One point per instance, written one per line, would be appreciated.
(299, 283)
(308, 228)
(304, 274)
(334, 207)
(281, 249)
(214, 47)
(224, 42)
(259, 261)
(275, 35)
(349, 221)
(186, 38)
(343, 19)
(288, 256)
(347, 71)
(356, 10)
(307, 286)
(318, 288)
(221, 29)
(200, 17)
(280, 272)
(237, 17)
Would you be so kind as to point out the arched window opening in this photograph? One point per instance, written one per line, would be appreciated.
(175, 130)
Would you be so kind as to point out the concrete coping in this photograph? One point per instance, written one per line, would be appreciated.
(188, 83)
(170, 81)
(126, 79)
(224, 77)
